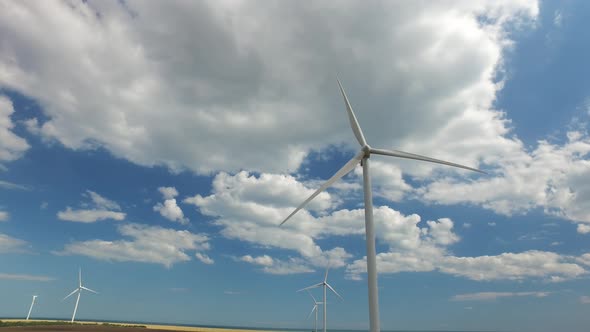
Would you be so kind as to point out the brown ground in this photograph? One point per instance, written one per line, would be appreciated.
(106, 328)
(74, 328)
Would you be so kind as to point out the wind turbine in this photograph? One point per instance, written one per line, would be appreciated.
(79, 291)
(315, 308)
(31, 308)
(363, 158)
(325, 285)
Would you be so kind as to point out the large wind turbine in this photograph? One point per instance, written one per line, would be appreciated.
(79, 291)
(363, 158)
(325, 285)
(315, 308)
(31, 308)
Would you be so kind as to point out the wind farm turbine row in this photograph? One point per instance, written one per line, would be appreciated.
(325, 286)
(78, 290)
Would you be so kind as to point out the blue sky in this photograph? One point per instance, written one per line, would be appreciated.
(158, 145)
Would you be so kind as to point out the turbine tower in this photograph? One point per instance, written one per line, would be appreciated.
(363, 158)
(31, 308)
(315, 308)
(79, 291)
(325, 285)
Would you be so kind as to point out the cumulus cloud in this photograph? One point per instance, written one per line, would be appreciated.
(555, 178)
(25, 277)
(264, 260)
(99, 208)
(249, 208)
(583, 228)
(271, 265)
(102, 202)
(4, 215)
(487, 296)
(585, 299)
(10, 244)
(584, 259)
(414, 245)
(10, 185)
(89, 216)
(12, 146)
(225, 94)
(168, 192)
(148, 244)
(170, 209)
(204, 258)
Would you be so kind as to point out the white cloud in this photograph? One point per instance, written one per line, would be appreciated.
(250, 208)
(10, 185)
(276, 266)
(557, 18)
(551, 177)
(487, 296)
(513, 266)
(12, 146)
(254, 105)
(148, 244)
(4, 215)
(170, 209)
(542, 265)
(25, 277)
(89, 215)
(583, 228)
(102, 202)
(43, 205)
(585, 299)
(168, 192)
(10, 244)
(492, 224)
(204, 258)
(264, 260)
(101, 210)
(584, 259)
(413, 245)
(466, 225)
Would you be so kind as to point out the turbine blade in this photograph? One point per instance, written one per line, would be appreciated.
(312, 310)
(326, 275)
(349, 166)
(80, 276)
(354, 124)
(72, 293)
(332, 289)
(313, 286)
(88, 289)
(407, 155)
(308, 292)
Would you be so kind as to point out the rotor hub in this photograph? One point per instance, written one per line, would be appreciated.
(367, 151)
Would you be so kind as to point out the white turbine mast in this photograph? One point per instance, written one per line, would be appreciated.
(324, 284)
(31, 308)
(79, 291)
(315, 309)
(363, 158)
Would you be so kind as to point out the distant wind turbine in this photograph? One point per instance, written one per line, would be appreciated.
(315, 308)
(31, 308)
(79, 291)
(363, 158)
(325, 285)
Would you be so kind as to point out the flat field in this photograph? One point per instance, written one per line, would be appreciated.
(110, 327)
